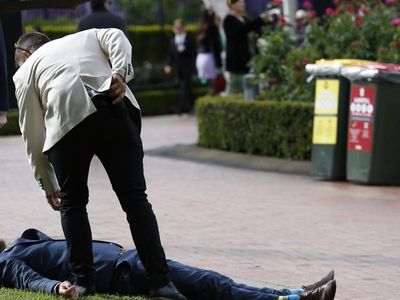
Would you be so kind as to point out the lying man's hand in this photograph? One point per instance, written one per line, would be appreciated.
(67, 290)
(117, 89)
(54, 200)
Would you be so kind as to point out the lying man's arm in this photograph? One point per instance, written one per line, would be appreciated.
(16, 274)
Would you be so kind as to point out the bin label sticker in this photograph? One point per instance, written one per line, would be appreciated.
(326, 97)
(325, 130)
(361, 122)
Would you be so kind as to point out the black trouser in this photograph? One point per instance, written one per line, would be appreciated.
(111, 134)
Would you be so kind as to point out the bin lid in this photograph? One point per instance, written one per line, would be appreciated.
(389, 72)
(333, 66)
(344, 62)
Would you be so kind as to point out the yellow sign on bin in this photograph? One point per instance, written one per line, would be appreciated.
(326, 97)
(325, 130)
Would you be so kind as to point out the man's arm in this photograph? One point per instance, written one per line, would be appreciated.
(17, 274)
(31, 122)
(118, 50)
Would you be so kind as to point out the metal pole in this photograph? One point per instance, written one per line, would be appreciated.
(160, 12)
(289, 10)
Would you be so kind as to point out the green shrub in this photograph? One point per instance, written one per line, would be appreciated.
(12, 126)
(158, 102)
(365, 29)
(150, 43)
(271, 128)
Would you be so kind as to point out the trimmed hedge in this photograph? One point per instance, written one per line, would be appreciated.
(271, 128)
(150, 42)
(158, 102)
(12, 126)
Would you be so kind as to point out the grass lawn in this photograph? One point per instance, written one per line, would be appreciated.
(10, 294)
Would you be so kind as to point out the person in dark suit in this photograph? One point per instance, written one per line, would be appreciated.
(181, 56)
(38, 263)
(101, 17)
(3, 81)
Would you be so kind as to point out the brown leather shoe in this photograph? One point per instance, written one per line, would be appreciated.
(325, 292)
(325, 280)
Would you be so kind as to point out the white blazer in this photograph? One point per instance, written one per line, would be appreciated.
(51, 94)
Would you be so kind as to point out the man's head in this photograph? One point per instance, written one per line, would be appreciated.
(178, 26)
(238, 6)
(2, 245)
(27, 44)
(99, 5)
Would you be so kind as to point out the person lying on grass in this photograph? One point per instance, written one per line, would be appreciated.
(39, 263)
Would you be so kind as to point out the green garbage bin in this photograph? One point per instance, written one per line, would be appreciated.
(373, 148)
(328, 157)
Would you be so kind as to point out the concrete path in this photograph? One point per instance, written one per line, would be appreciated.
(260, 227)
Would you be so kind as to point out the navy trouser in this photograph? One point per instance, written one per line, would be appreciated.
(194, 283)
(112, 135)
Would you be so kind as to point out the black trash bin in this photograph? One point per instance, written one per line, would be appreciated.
(328, 158)
(373, 148)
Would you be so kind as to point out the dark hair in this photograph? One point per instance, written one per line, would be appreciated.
(207, 20)
(98, 5)
(2, 245)
(30, 42)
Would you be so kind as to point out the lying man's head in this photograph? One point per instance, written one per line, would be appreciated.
(2, 245)
(27, 44)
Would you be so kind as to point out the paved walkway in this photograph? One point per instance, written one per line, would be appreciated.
(261, 227)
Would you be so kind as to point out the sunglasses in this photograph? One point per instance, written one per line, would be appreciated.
(22, 49)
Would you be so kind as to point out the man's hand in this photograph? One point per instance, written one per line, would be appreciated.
(168, 69)
(3, 120)
(117, 89)
(67, 290)
(54, 200)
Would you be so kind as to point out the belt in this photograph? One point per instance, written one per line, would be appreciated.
(101, 101)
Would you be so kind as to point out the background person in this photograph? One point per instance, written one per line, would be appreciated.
(237, 27)
(208, 60)
(43, 261)
(4, 106)
(101, 17)
(74, 104)
(181, 57)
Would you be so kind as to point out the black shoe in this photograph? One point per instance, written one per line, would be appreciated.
(325, 280)
(167, 292)
(85, 291)
(325, 292)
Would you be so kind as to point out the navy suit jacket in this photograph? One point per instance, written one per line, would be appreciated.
(34, 258)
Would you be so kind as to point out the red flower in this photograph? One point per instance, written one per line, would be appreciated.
(350, 9)
(395, 22)
(272, 81)
(282, 20)
(363, 10)
(276, 2)
(359, 21)
(390, 2)
(329, 11)
(307, 4)
(383, 50)
(336, 12)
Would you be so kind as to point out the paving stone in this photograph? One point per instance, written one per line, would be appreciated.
(259, 227)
